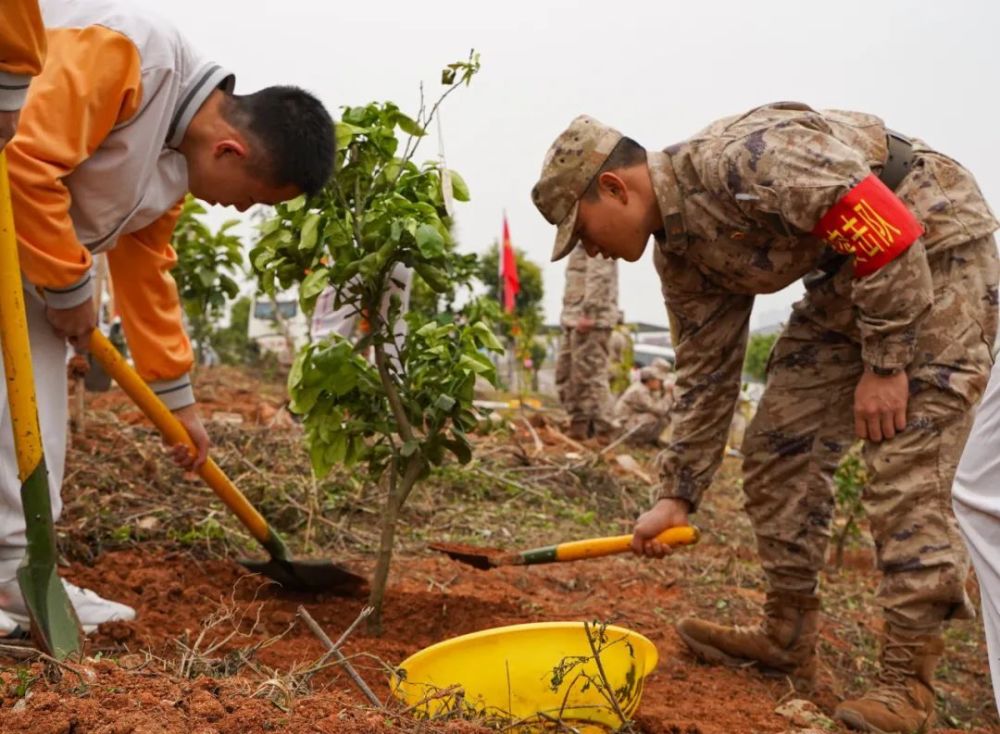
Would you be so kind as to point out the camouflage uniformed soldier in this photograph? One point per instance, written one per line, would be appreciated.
(894, 243)
(643, 410)
(590, 311)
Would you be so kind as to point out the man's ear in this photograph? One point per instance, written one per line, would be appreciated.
(613, 184)
(229, 146)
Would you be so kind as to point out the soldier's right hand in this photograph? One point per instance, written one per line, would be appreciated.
(584, 324)
(74, 324)
(666, 513)
(8, 126)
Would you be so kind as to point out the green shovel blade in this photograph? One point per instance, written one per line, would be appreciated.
(54, 624)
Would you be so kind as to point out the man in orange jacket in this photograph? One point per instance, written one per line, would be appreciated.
(124, 119)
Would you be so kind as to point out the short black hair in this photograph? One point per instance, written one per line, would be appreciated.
(625, 154)
(293, 128)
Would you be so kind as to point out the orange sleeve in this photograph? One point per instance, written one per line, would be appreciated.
(22, 50)
(146, 296)
(91, 82)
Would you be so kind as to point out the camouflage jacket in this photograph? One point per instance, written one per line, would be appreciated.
(591, 290)
(739, 201)
(638, 401)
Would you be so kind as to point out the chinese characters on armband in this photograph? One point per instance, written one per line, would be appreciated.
(870, 223)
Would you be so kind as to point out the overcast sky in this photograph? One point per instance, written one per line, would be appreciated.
(658, 71)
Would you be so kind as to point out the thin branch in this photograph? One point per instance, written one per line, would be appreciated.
(392, 394)
(434, 696)
(351, 672)
(624, 437)
(604, 676)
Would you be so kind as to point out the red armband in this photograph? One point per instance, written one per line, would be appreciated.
(870, 223)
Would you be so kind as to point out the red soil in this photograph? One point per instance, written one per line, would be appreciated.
(431, 599)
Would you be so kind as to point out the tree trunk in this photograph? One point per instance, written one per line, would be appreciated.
(399, 487)
(398, 492)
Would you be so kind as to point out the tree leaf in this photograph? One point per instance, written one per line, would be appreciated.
(409, 126)
(314, 283)
(310, 230)
(459, 189)
(298, 370)
(293, 205)
(429, 241)
(445, 403)
(460, 447)
(486, 337)
(206, 276)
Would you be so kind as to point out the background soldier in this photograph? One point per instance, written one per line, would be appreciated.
(894, 244)
(643, 410)
(590, 311)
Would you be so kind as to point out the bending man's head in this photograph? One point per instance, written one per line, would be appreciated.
(260, 148)
(595, 187)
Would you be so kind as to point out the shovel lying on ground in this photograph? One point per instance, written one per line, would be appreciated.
(54, 625)
(295, 575)
(487, 558)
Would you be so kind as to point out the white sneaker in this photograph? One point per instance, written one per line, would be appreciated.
(8, 627)
(90, 608)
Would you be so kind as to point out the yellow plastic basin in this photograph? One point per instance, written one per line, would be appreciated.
(531, 674)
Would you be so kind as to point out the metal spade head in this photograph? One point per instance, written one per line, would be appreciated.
(54, 625)
(482, 558)
(309, 575)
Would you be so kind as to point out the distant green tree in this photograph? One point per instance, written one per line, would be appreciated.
(528, 303)
(207, 264)
(758, 350)
(232, 342)
(521, 327)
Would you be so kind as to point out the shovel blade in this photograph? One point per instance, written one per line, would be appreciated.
(482, 558)
(310, 576)
(54, 625)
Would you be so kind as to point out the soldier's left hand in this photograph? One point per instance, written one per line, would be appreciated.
(880, 405)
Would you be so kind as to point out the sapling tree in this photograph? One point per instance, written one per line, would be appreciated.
(395, 403)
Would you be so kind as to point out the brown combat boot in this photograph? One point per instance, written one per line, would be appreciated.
(785, 642)
(902, 700)
(579, 430)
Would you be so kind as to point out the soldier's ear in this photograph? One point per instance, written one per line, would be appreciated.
(613, 185)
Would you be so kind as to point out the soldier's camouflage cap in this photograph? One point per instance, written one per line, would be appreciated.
(570, 165)
(650, 373)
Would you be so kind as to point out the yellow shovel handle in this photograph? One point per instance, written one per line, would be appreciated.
(595, 547)
(173, 430)
(14, 335)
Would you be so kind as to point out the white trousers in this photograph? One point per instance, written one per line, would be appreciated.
(48, 360)
(327, 320)
(976, 499)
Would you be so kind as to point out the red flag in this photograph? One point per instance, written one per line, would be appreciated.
(508, 270)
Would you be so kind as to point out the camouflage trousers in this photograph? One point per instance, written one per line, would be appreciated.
(805, 423)
(582, 376)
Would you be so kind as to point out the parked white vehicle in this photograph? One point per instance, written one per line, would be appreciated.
(644, 354)
(278, 326)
